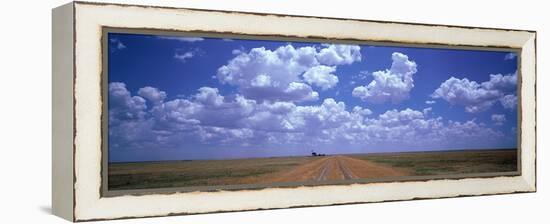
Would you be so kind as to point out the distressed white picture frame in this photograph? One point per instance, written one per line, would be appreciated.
(77, 110)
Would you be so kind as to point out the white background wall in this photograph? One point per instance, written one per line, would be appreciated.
(25, 102)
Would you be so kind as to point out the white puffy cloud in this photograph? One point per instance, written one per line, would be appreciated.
(392, 84)
(498, 119)
(222, 135)
(176, 115)
(501, 82)
(467, 93)
(209, 96)
(330, 114)
(207, 107)
(361, 92)
(210, 118)
(321, 76)
(133, 135)
(279, 107)
(267, 108)
(339, 54)
(361, 111)
(509, 101)
(261, 80)
(284, 65)
(476, 97)
(471, 131)
(297, 90)
(395, 117)
(416, 128)
(263, 74)
(152, 94)
(124, 106)
(287, 117)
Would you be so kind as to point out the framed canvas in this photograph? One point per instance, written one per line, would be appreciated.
(168, 111)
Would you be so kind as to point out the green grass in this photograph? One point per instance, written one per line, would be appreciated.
(448, 162)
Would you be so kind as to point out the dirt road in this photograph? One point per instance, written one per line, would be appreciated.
(334, 168)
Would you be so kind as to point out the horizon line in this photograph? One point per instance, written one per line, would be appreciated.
(309, 155)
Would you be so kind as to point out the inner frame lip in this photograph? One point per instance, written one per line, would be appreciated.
(106, 30)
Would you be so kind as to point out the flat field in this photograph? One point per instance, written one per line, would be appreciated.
(146, 175)
(142, 175)
(448, 162)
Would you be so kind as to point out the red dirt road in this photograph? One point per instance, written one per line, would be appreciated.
(334, 168)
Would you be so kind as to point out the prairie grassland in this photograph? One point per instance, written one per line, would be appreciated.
(143, 175)
(448, 162)
(166, 174)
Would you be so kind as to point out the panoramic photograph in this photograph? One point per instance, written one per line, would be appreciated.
(192, 111)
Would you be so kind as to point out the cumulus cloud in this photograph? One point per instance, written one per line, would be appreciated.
(509, 101)
(395, 117)
(418, 128)
(286, 73)
(498, 119)
(321, 76)
(152, 94)
(330, 114)
(124, 106)
(208, 117)
(501, 82)
(209, 96)
(476, 97)
(361, 111)
(467, 93)
(297, 90)
(279, 107)
(339, 54)
(263, 73)
(392, 84)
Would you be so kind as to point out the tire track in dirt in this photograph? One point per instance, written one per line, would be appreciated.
(333, 168)
(323, 175)
(346, 173)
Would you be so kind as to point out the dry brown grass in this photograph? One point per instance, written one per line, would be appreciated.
(168, 174)
(144, 175)
(449, 162)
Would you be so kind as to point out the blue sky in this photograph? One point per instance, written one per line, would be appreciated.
(177, 98)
